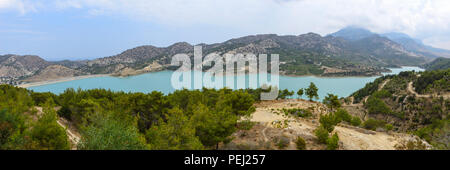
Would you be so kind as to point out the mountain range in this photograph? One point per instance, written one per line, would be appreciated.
(414, 45)
(351, 51)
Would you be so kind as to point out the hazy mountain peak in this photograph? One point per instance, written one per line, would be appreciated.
(398, 36)
(311, 34)
(353, 33)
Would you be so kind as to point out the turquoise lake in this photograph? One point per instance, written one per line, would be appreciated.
(161, 81)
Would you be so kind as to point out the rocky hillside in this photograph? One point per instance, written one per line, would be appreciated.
(53, 72)
(299, 55)
(410, 44)
(16, 69)
(20, 66)
(438, 63)
(409, 102)
(136, 58)
(416, 45)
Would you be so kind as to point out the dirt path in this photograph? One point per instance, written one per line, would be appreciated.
(365, 98)
(72, 133)
(263, 132)
(383, 84)
(412, 90)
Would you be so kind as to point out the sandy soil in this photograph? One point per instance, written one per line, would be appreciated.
(269, 116)
(45, 82)
(155, 66)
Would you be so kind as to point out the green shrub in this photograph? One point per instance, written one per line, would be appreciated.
(10, 124)
(40, 98)
(373, 124)
(282, 142)
(321, 134)
(301, 144)
(328, 121)
(46, 133)
(389, 127)
(342, 114)
(332, 101)
(245, 125)
(382, 94)
(356, 121)
(333, 142)
(298, 112)
(376, 106)
(109, 134)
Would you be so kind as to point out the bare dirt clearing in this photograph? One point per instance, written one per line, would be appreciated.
(273, 125)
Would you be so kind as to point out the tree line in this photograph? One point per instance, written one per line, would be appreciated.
(184, 119)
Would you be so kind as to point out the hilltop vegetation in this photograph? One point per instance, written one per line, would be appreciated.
(22, 128)
(410, 102)
(438, 63)
(198, 119)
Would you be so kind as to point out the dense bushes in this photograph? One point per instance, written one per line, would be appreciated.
(184, 119)
(18, 131)
(207, 116)
(46, 133)
(17, 128)
(40, 98)
(109, 134)
(15, 100)
(433, 81)
(375, 105)
(175, 133)
(436, 133)
(368, 89)
(373, 124)
(12, 127)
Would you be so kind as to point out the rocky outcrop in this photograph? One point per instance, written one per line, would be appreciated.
(53, 72)
(20, 66)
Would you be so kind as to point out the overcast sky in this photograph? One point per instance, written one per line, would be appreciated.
(79, 29)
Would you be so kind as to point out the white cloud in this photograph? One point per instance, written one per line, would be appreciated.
(21, 6)
(419, 18)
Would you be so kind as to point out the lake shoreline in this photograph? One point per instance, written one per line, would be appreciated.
(47, 82)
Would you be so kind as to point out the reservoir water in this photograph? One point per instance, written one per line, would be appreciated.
(161, 81)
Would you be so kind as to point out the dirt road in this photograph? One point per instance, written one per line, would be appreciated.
(413, 91)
